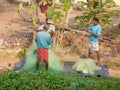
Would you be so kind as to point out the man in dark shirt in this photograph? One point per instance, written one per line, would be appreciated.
(43, 40)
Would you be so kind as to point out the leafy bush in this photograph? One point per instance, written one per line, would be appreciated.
(42, 80)
(99, 9)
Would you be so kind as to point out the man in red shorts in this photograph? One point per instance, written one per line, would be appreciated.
(43, 40)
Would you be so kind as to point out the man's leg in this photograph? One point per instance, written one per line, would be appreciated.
(46, 62)
(98, 57)
(89, 54)
(37, 64)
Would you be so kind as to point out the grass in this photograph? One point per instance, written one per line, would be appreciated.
(42, 80)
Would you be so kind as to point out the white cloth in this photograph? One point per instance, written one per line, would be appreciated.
(51, 28)
(93, 46)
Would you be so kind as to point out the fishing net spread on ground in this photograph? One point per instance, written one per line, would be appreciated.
(85, 66)
(31, 57)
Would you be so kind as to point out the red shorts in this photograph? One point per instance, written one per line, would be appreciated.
(42, 54)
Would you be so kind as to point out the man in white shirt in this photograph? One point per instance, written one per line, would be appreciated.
(51, 27)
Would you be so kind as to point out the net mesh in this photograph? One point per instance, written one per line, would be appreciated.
(30, 63)
(86, 66)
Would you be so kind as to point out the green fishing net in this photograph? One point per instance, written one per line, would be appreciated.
(86, 66)
(31, 57)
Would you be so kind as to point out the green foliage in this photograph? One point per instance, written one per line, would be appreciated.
(31, 81)
(36, 5)
(33, 6)
(42, 80)
(65, 4)
(22, 51)
(109, 1)
(66, 1)
(19, 8)
(97, 9)
(65, 7)
(52, 13)
(19, 11)
(57, 15)
(60, 15)
(43, 2)
(32, 20)
(107, 83)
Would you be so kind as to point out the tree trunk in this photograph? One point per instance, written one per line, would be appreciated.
(37, 15)
(68, 16)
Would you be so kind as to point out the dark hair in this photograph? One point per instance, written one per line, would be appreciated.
(96, 19)
(47, 19)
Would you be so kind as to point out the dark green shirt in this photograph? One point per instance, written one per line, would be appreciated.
(43, 39)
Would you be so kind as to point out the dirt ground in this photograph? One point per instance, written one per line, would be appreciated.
(11, 24)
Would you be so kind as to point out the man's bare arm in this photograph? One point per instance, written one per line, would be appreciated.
(92, 33)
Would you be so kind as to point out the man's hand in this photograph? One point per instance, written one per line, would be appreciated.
(37, 31)
(34, 33)
(94, 34)
(88, 31)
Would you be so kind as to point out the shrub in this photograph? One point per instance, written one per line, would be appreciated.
(42, 80)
